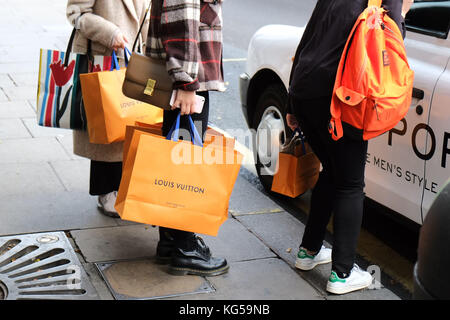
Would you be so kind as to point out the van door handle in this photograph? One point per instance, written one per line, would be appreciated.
(418, 93)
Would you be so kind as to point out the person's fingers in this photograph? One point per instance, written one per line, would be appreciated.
(184, 109)
(191, 108)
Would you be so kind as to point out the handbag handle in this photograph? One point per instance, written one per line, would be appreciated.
(174, 132)
(140, 28)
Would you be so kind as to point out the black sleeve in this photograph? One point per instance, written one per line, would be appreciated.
(307, 34)
(394, 10)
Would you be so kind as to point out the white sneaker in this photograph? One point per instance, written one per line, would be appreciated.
(106, 204)
(307, 262)
(357, 280)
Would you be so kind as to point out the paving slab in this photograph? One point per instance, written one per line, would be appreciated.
(74, 174)
(38, 131)
(3, 97)
(66, 142)
(31, 150)
(5, 80)
(246, 199)
(21, 67)
(262, 279)
(39, 212)
(13, 129)
(285, 244)
(97, 281)
(19, 52)
(28, 178)
(116, 243)
(233, 242)
(16, 109)
(20, 93)
(236, 243)
(24, 79)
(279, 231)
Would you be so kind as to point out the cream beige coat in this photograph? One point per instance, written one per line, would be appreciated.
(100, 21)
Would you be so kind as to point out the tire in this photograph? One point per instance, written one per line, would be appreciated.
(269, 117)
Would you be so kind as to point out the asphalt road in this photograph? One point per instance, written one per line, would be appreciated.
(241, 20)
(383, 242)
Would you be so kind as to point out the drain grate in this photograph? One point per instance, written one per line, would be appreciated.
(42, 266)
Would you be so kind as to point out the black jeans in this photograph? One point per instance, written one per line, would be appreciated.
(340, 188)
(105, 177)
(180, 237)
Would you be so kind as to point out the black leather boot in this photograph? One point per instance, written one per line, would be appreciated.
(165, 248)
(194, 257)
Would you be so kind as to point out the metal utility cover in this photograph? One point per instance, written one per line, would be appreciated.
(146, 280)
(42, 266)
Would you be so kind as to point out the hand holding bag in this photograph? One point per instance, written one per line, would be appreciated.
(298, 168)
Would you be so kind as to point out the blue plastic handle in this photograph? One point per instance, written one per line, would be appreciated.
(127, 54)
(114, 62)
(195, 136)
(174, 132)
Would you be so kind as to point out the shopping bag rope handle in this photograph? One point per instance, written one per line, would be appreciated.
(174, 132)
(300, 134)
(115, 60)
(70, 45)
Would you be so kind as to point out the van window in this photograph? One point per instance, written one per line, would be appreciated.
(429, 17)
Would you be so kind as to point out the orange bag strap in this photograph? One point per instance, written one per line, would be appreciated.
(376, 3)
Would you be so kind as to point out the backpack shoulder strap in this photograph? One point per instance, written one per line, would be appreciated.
(376, 3)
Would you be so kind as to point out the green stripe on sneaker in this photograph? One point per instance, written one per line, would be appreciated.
(302, 254)
(334, 278)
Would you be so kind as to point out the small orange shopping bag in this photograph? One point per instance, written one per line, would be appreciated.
(298, 168)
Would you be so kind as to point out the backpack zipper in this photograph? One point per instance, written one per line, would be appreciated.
(391, 33)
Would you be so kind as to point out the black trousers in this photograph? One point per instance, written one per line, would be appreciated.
(104, 177)
(340, 188)
(201, 123)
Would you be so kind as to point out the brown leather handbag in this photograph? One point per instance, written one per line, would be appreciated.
(147, 79)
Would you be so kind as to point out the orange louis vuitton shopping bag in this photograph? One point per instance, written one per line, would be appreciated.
(298, 168)
(108, 110)
(177, 184)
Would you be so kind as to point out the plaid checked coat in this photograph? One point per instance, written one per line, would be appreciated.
(188, 35)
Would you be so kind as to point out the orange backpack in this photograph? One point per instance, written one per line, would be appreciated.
(373, 87)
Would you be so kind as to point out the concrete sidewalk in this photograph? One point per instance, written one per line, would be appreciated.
(47, 214)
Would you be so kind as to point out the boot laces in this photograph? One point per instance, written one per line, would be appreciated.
(203, 247)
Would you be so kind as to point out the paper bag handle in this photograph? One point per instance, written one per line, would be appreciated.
(174, 132)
